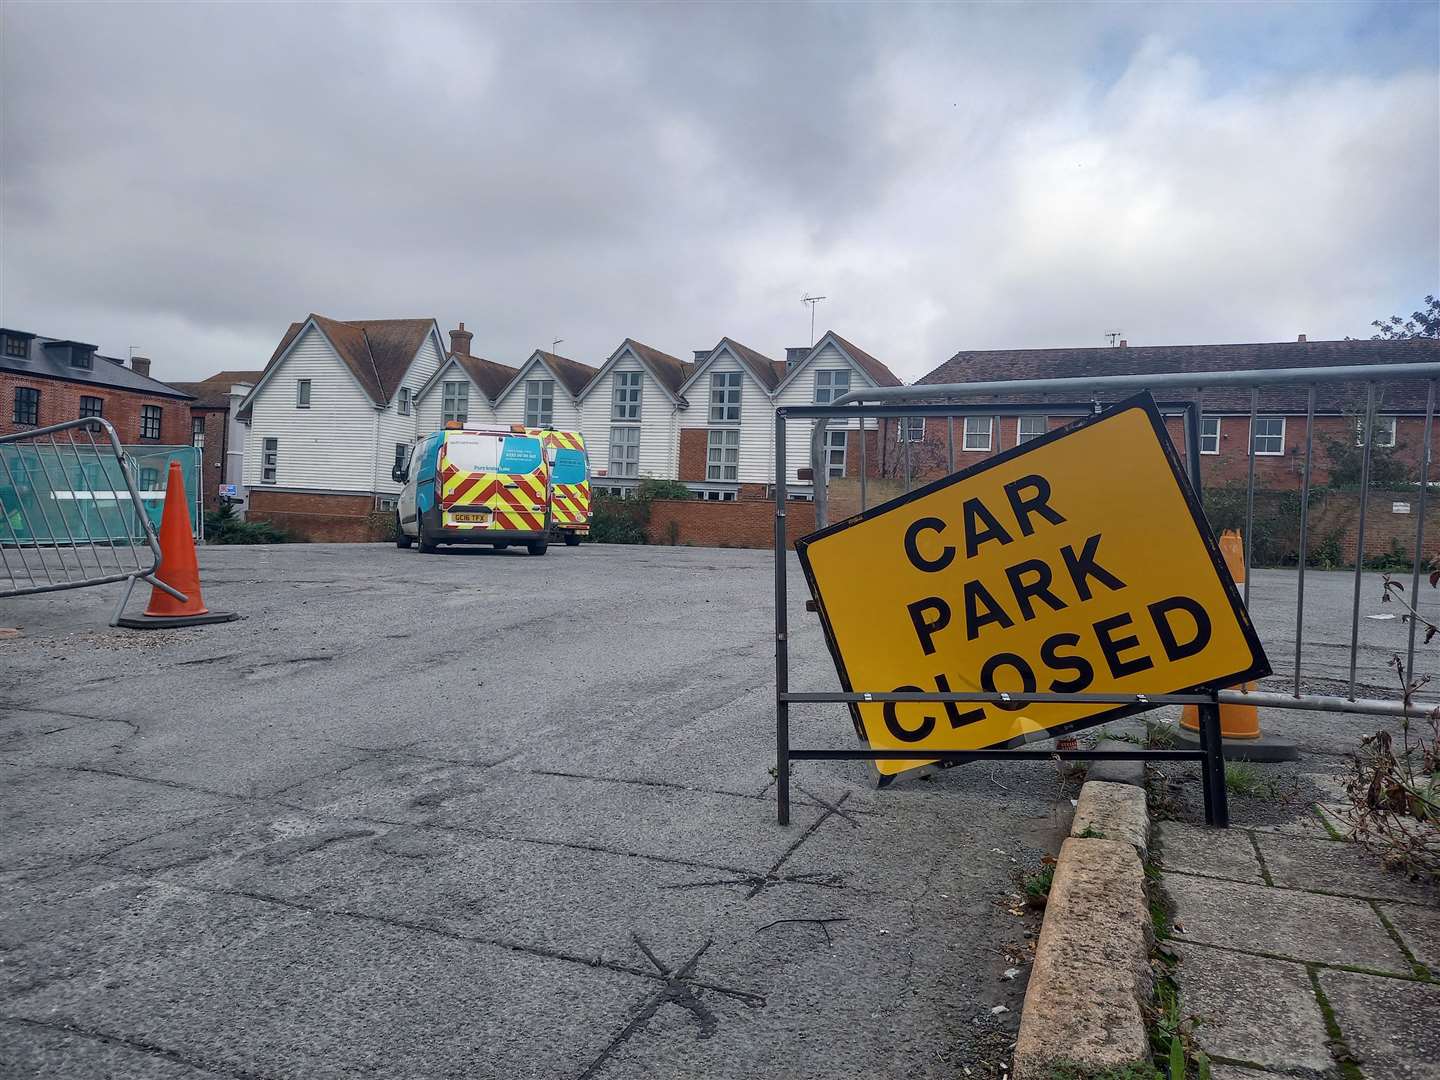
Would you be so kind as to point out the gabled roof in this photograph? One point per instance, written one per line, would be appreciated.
(378, 352)
(573, 374)
(669, 371)
(229, 378)
(762, 368)
(872, 368)
(491, 377)
(1004, 364)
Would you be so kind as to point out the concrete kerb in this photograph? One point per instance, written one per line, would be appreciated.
(1091, 980)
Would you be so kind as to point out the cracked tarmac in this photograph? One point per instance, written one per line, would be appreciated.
(394, 824)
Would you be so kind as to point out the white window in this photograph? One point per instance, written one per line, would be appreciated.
(302, 393)
(1269, 436)
(1209, 434)
(912, 429)
(1384, 431)
(716, 496)
(978, 432)
(830, 385)
(455, 402)
(402, 454)
(835, 442)
(404, 405)
(626, 405)
(539, 402)
(385, 503)
(1031, 427)
(197, 432)
(722, 455)
(625, 451)
(725, 397)
(270, 461)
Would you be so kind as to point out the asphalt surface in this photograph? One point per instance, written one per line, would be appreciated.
(487, 815)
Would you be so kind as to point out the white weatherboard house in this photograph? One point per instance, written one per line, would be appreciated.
(545, 393)
(332, 410)
(831, 368)
(630, 416)
(727, 432)
(464, 388)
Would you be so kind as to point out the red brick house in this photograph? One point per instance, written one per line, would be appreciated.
(1225, 413)
(48, 380)
(215, 431)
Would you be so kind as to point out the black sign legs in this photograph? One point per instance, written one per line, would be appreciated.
(1212, 769)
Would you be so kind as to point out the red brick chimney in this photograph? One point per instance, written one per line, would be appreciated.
(140, 364)
(1301, 339)
(460, 340)
(1124, 344)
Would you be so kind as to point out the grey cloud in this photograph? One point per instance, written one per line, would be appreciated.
(192, 178)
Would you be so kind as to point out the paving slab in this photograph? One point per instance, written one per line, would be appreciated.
(1282, 922)
(1252, 1009)
(1389, 1024)
(1198, 849)
(1419, 927)
(1338, 867)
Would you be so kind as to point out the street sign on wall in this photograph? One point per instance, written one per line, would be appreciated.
(1076, 563)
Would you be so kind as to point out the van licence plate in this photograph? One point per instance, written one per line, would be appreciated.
(482, 518)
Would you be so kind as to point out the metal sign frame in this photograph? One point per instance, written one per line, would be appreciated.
(1258, 668)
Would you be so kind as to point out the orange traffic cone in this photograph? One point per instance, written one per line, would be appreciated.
(179, 568)
(1240, 723)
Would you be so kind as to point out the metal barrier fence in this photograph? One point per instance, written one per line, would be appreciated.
(1038, 396)
(72, 514)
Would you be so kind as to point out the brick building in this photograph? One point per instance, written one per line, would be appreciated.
(1280, 435)
(48, 380)
(215, 431)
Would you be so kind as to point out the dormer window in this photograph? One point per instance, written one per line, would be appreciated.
(17, 347)
(82, 358)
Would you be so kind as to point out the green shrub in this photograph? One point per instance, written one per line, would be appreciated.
(223, 526)
(662, 489)
(618, 521)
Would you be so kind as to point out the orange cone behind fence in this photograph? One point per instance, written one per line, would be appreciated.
(179, 568)
(1236, 721)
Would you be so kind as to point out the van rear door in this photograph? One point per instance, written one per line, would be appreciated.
(519, 501)
(468, 475)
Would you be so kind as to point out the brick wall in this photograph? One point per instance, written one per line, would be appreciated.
(318, 517)
(60, 401)
(692, 453)
(212, 463)
(741, 524)
(1336, 515)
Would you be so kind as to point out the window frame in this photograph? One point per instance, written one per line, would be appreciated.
(621, 404)
(17, 347)
(725, 398)
(837, 441)
(989, 435)
(86, 360)
(402, 455)
(717, 468)
(458, 409)
(1217, 435)
(544, 403)
(403, 405)
(152, 417)
(31, 395)
(303, 393)
(86, 411)
(1255, 435)
(197, 431)
(628, 467)
(1021, 436)
(269, 460)
(833, 387)
(905, 430)
(1379, 420)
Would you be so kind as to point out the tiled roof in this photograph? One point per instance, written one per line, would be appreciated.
(490, 377)
(575, 375)
(766, 371)
(671, 371)
(1020, 364)
(377, 351)
(104, 371)
(214, 392)
(878, 372)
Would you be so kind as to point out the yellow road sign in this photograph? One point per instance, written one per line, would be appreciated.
(1077, 563)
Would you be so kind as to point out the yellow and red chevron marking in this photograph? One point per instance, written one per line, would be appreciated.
(569, 440)
(521, 507)
(571, 504)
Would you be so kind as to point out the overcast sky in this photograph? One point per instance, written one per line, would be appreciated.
(189, 179)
